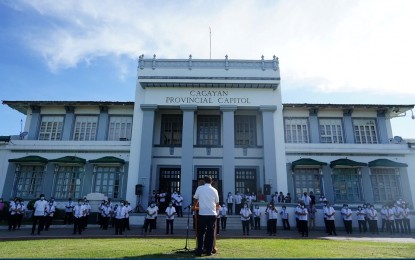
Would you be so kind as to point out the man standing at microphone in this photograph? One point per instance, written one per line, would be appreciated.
(208, 203)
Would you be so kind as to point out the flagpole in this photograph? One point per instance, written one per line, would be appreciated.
(210, 43)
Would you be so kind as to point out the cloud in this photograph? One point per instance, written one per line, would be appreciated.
(330, 46)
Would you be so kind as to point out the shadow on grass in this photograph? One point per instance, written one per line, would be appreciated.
(175, 254)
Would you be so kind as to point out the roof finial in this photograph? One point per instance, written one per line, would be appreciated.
(154, 62)
(190, 61)
(226, 62)
(262, 62)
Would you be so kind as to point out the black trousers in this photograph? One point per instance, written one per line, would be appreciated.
(303, 227)
(48, 222)
(362, 226)
(331, 227)
(149, 223)
(373, 226)
(19, 218)
(348, 226)
(230, 208)
(245, 226)
(12, 221)
(398, 223)
(223, 222)
(169, 225)
(119, 225)
(205, 233)
(257, 222)
(273, 226)
(40, 221)
(68, 218)
(286, 224)
(407, 225)
(78, 225)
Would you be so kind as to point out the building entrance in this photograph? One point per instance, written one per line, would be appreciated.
(246, 181)
(212, 173)
(169, 180)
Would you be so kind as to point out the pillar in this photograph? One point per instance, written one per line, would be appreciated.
(228, 176)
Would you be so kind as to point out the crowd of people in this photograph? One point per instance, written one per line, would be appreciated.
(394, 216)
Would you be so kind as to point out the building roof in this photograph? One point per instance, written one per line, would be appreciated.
(394, 109)
(23, 106)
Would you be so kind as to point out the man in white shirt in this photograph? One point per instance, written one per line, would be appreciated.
(245, 217)
(50, 211)
(78, 213)
(223, 213)
(170, 211)
(208, 200)
(179, 205)
(347, 218)
(257, 218)
(229, 200)
(303, 218)
(397, 211)
(68, 212)
(329, 213)
(151, 216)
(306, 199)
(361, 219)
(39, 214)
(238, 202)
(373, 220)
(120, 212)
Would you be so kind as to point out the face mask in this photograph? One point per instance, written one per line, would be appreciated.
(170, 205)
(302, 206)
(152, 205)
(245, 206)
(42, 198)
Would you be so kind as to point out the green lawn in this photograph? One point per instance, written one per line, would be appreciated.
(227, 248)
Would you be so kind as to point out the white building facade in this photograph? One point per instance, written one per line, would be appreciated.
(222, 118)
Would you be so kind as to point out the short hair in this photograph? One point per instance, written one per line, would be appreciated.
(207, 179)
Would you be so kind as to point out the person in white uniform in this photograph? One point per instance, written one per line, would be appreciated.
(39, 209)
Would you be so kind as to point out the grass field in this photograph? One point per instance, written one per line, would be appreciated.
(227, 248)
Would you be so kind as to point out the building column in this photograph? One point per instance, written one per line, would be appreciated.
(367, 189)
(270, 157)
(228, 173)
(383, 137)
(328, 184)
(102, 123)
(34, 123)
(186, 177)
(68, 123)
(406, 186)
(146, 148)
(348, 126)
(314, 129)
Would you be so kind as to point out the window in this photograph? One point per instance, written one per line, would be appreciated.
(365, 131)
(68, 182)
(28, 181)
(331, 131)
(245, 130)
(107, 181)
(85, 128)
(51, 128)
(208, 128)
(120, 128)
(245, 181)
(296, 130)
(346, 184)
(171, 129)
(306, 180)
(385, 184)
(170, 180)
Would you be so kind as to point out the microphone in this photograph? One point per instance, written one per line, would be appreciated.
(188, 207)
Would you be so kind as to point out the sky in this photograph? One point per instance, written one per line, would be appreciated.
(330, 51)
